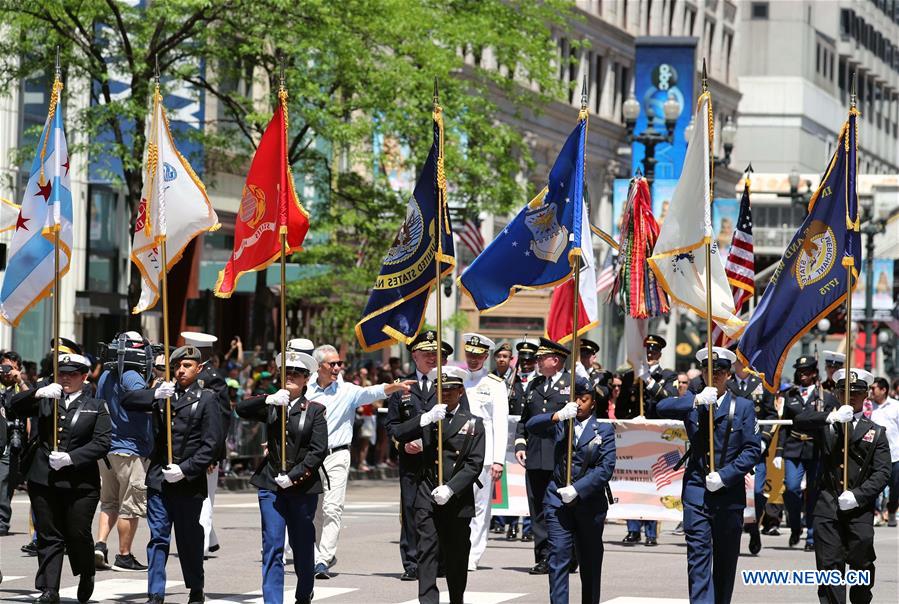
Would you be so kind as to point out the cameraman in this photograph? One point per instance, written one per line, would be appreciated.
(14, 433)
(123, 494)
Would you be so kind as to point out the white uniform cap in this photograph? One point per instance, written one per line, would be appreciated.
(476, 343)
(718, 353)
(855, 377)
(452, 375)
(299, 360)
(301, 345)
(133, 336)
(198, 340)
(834, 358)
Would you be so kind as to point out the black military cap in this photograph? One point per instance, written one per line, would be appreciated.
(654, 341)
(582, 386)
(186, 353)
(590, 345)
(547, 346)
(806, 362)
(446, 349)
(425, 340)
(526, 349)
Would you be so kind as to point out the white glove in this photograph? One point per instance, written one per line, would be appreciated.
(442, 494)
(60, 460)
(568, 494)
(280, 399)
(847, 501)
(708, 396)
(172, 473)
(842, 415)
(164, 390)
(764, 445)
(49, 391)
(778, 462)
(713, 482)
(437, 413)
(283, 481)
(569, 411)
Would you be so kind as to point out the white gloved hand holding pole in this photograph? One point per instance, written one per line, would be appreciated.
(437, 413)
(569, 411)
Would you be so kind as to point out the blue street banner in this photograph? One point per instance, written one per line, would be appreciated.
(537, 247)
(396, 307)
(664, 66)
(812, 277)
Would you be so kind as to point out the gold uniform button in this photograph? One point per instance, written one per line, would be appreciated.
(60, 430)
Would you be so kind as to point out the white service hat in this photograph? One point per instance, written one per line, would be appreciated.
(452, 376)
(721, 357)
(301, 345)
(476, 343)
(299, 360)
(859, 379)
(198, 340)
(834, 358)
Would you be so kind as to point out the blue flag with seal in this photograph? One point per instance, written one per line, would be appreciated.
(537, 248)
(396, 307)
(812, 278)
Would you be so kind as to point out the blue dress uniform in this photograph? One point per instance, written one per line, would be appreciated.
(801, 455)
(292, 508)
(543, 395)
(64, 500)
(582, 521)
(196, 429)
(713, 521)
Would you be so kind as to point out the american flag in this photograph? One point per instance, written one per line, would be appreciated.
(470, 235)
(740, 265)
(606, 276)
(663, 472)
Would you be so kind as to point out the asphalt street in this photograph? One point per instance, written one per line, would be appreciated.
(368, 566)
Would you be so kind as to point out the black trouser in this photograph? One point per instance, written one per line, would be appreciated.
(408, 536)
(6, 487)
(442, 531)
(893, 501)
(536, 482)
(840, 540)
(62, 521)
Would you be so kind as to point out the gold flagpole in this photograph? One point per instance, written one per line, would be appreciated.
(849, 263)
(708, 271)
(441, 198)
(54, 99)
(282, 98)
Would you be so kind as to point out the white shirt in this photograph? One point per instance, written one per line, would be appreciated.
(341, 399)
(488, 399)
(887, 415)
(421, 376)
(552, 381)
(579, 428)
(71, 398)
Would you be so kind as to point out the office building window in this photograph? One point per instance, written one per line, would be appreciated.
(103, 240)
(759, 10)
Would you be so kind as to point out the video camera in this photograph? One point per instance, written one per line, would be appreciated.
(125, 354)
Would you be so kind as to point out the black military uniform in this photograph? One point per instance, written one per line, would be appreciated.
(196, 427)
(400, 408)
(799, 452)
(444, 529)
(844, 514)
(833, 362)
(64, 479)
(526, 351)
(543, 395)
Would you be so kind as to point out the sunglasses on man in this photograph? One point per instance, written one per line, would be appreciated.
(334, 364)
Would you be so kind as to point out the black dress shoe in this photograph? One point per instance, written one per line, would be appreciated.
(794, 538)
(651, 542)
(809, 547)
(541, 568)
(572, 567)
(512, 533)
(155, 599)
(409, 575)
(48, 597)
(196, 597)
(755, 543)
(85, 588)
(527, 537)
(631, 538)
(306, 600)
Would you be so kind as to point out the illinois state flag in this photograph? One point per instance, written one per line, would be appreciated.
(168, 181)
(812, 277)
(46, 211)
(269, 206)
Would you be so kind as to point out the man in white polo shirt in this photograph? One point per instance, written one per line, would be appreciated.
(886, 413)
(489, 400)
(341, 399)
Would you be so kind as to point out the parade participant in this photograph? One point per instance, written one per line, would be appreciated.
(586, 356)
(502, 360)
(288, 499)
(547, 393)
(400, 408)
(714, 501)
(797, 452)
(576, 513)
(12, 378)
(844, 513)
(60, 467)
(175, 492)
(526, 371)
(833, 361)
(123, 497)
(886, 414)
(488, 400)
(212, 379)
(340, 399)
(443, 512)
(658, 384)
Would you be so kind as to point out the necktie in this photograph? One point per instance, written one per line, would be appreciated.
(424, 384)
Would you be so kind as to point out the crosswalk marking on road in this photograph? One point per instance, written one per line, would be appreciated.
(255, 597)
(645, 600)
(7, 579)
(108, 590)
(474, 597)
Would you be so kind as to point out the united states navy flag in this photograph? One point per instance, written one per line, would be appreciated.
(812, 278)
(396, 308)
(537, 248)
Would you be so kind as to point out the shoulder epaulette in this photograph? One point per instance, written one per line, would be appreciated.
(495, 377)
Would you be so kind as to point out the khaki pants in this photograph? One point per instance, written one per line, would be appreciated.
(123, 489)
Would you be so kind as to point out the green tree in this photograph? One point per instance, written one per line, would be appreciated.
(354, 70)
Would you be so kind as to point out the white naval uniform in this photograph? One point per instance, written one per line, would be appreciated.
(488, 399)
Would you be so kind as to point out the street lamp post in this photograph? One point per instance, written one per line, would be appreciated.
(797, 198)
(870, 229)
(819, 331)
(728, 136)
(650, 137)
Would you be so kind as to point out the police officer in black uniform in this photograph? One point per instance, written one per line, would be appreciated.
(526, 371)
(844, 513)
(547, 393)
(175, 492)
(443, 512)
(62, 473)
(400, 408)
(798, 451)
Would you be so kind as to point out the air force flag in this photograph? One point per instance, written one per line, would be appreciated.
(811, 278)
(46, 209)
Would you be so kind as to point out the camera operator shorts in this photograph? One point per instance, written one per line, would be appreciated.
(123, 488)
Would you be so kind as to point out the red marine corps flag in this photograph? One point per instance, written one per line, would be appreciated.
(268, 207)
